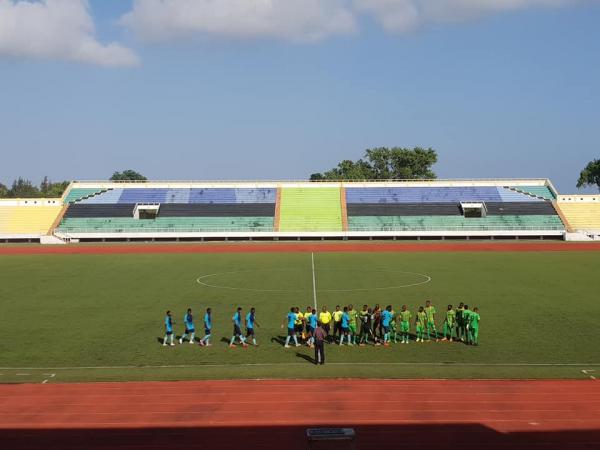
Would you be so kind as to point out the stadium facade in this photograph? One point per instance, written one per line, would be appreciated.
(277, 210)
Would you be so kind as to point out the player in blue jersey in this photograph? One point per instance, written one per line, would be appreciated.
(291, 327)
(237, 329)
(250, 322)
(190, 330)
(386, 319)
(168, 329)
(311, 326)
(207, 328)
(345, 327)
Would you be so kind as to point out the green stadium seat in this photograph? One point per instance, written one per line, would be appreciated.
(314, 209)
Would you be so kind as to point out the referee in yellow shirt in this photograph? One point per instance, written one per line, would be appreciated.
(325, 319)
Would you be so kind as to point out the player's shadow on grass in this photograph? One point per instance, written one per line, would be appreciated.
(227, 341)
(305, 357)
(161, 340)
(279, 339)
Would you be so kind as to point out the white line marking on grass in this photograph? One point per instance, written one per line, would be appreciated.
(587, 372)
(312, 256)
(22, 374)
(427, 279)
(49, 375)
(232, 288)
(202, 281)
(407, 364)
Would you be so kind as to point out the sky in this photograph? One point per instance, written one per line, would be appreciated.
(280, 89)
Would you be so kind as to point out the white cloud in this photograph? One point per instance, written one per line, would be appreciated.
(295, 20)
(302, 20)
(56, 29)
(406, 15)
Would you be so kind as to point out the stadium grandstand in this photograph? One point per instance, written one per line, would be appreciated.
(28, 219)
(581, 215)
(416, 209)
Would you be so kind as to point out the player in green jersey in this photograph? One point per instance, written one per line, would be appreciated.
(474, 319)
(405, 316)
(430, 312)
(466, 318)
(449, 323)
(420, 322)
(352, 324)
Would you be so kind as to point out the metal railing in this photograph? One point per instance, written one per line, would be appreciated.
(271, 229)
(164, 230)
(394, 180)
(463, 228)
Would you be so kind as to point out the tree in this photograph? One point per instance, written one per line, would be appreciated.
(45, 186)
(346, 170)
(56, 190)
(385, 164)
(22, 188)
(590, 176)
(48, 189)
(128, 175)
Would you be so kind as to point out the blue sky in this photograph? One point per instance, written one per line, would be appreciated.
(498, 93)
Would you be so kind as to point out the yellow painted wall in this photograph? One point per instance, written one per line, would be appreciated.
(27, 219)
(582, 215)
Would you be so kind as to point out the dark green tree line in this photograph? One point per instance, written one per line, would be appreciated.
(128, 175)
(384, 164)
(24, 188)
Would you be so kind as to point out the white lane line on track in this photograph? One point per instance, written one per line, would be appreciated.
(273, 422)
(569, 398)
(196, 409)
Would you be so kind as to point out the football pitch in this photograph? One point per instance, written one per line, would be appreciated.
(100, 317)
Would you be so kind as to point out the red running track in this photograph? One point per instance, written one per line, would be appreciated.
(218, 415)
(287, 247)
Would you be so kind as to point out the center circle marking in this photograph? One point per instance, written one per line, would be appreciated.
(204, 280)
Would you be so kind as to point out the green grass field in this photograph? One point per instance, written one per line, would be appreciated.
(100, 317)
